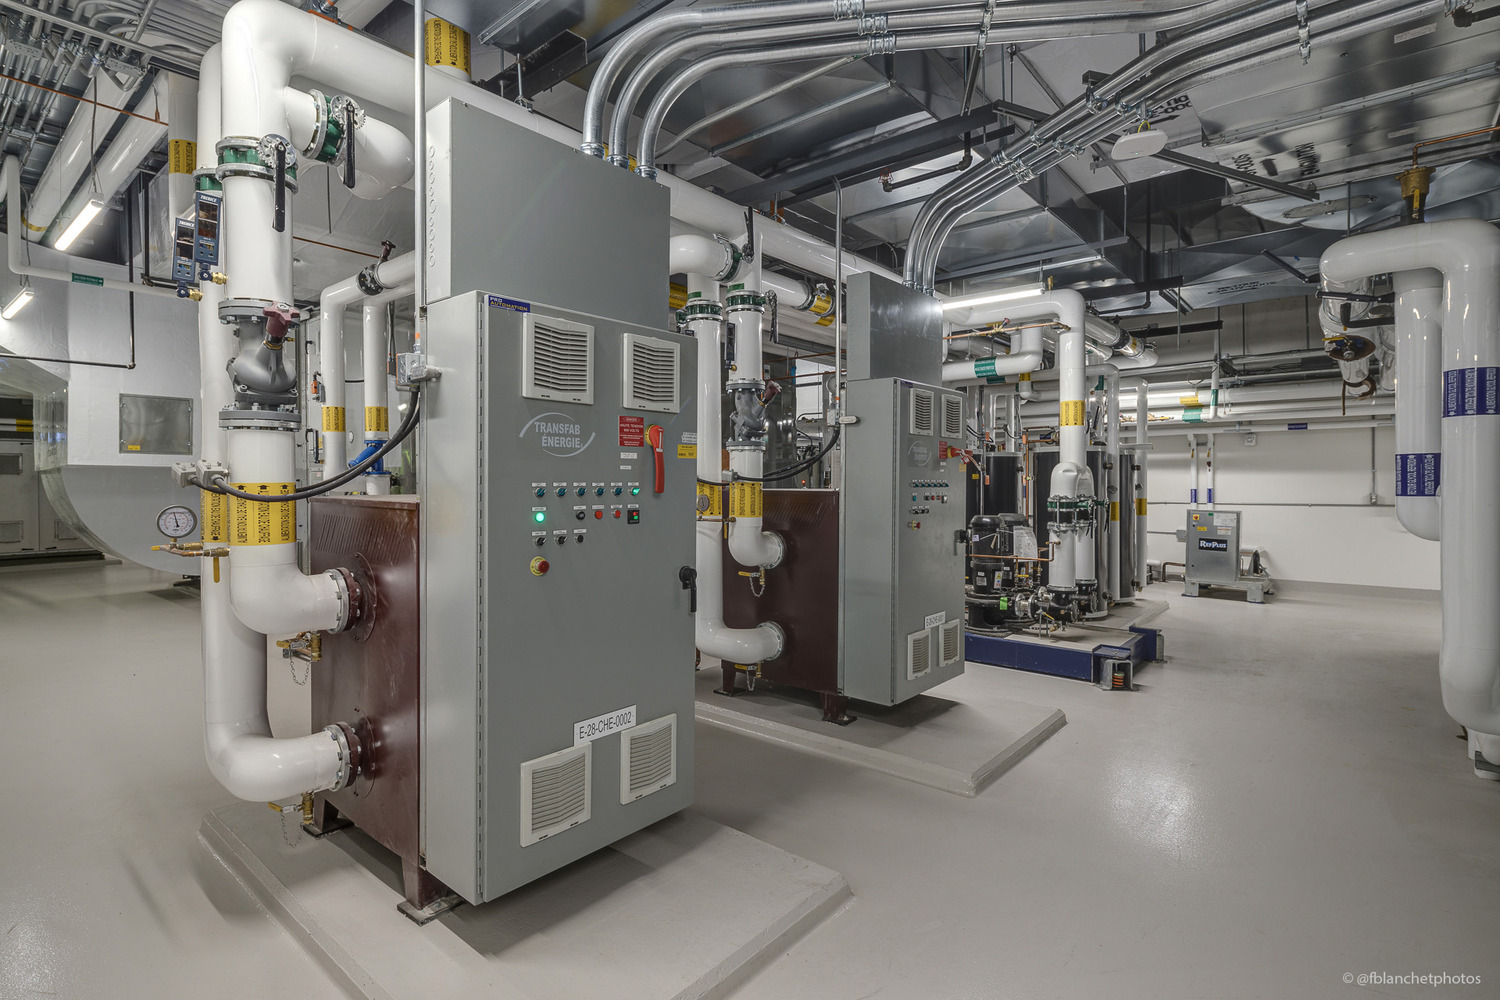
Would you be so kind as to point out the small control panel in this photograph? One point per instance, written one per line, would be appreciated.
(927, 497)
(563, 512)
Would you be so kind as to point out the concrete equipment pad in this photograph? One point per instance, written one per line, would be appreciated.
(684, 909)
(959, 736)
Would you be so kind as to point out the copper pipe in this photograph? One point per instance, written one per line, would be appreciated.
(1450, 138)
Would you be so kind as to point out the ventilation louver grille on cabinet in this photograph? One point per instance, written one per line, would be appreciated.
(953, 417)
(557, 360)
(648, 758)
(921, 411)
(650, 374)
(918, 654)
(953, 642)
(555, 792)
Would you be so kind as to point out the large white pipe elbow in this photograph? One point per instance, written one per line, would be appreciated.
(1467, 253)
(383, 156)
(272, 595)
(242, 754)
(703, 256)
(1419, 404)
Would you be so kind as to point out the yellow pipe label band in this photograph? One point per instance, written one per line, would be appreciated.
(1188, 400)
(182, 156)
(715, 496)
(745, 500)
(1070, 413)
(377, 418)
(1024, 377)
(333, 420)
(1114, 510)
(447, 45)
(215, 519)
(1140, 506)
(255, 523)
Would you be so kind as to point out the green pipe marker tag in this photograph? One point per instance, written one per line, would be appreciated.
(87, 279)
(984, 367)
(1193, 416)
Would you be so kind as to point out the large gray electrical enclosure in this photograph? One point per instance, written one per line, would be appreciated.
(557, 639)
(557, 668)
(903, 555)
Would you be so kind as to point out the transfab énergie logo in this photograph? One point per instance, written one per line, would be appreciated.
(557, 434)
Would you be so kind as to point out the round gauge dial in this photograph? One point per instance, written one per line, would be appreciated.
(177, 522)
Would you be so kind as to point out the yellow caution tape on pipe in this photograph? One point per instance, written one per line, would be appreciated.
(746, 500)
(1114, 510)
(333, 420)
(253, 522)
(377, 418)
(215, 519)
(1070, 413)
(1140, 506)
(447, 45)
(715, 494)
(182, 156)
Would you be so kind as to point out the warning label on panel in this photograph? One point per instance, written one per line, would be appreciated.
(632, 432)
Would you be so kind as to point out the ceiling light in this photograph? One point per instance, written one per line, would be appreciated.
(987, 298)
(78, 225)
(17, 302)
(1138, 144)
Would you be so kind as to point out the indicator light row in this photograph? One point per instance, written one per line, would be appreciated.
(562, 491)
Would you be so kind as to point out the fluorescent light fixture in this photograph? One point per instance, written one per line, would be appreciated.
(17, 302)
(988, 298)
(78, 225)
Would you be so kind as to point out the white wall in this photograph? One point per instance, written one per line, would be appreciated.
(1305, 499)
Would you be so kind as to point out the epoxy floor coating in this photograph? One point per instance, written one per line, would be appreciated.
(1284, 803)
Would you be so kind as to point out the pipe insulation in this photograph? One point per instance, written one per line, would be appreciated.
(1467, 254)
(713, 637)
(1419, 403)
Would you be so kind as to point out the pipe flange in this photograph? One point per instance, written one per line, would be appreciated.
(744, 445)
(320, 123)
(245, 310)
(339, 106)
(351, 754)
(701, 309)
(356, 614)
(734, 256)
(369, 280)
(744, 300)
(746, 385)
(239, 419)
(780, 638)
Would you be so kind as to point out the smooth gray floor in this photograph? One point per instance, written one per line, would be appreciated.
(1282, 803)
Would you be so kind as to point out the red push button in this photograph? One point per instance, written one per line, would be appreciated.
(617, 513)
(539, 566)
(598, 515)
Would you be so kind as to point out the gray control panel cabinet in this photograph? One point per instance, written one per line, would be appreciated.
(557, 663)
(902, 509)
(1213, 547)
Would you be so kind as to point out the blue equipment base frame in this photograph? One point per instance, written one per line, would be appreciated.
(1062, 659)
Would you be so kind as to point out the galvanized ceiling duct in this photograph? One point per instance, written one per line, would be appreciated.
(1059, 20)
(1201, 56)
(824, 12)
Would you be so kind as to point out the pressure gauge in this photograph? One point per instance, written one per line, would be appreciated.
(177, 522)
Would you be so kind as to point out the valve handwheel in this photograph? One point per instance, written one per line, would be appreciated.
(654, 435)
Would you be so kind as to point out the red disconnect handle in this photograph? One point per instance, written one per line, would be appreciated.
(654, 435)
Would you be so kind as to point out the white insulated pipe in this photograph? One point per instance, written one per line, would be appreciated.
(384, 159)
(10, 183)
(1139, 459)
(749, 543)
(1113, 479)
(333, 305)
(1419, 404)
(1467, 253)
(267, 42)
(1070, 477)
(237, 742)
(1026, 358)
(712, 636)
(377, 327)
(269, 592)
